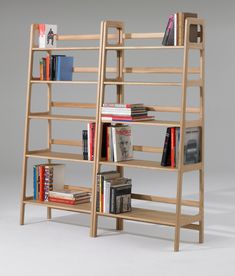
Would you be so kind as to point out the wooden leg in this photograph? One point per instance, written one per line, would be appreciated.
(93, 231)
(48, 213)
(119, 224)
(22, 213)
(178, 211)
(201, 209)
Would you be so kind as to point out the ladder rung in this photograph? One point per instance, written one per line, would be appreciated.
(171, 109)
(142, 83)
(73, 105)
(147, 149)
(66, 142)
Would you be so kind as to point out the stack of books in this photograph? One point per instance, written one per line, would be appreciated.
(192, 148)
(69, 197)
(56, 68)
(174, 33)
(113, 193)
(124, 112)
(47, 177)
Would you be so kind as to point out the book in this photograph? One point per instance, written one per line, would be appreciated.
(122, 143)
(177, 141)
(168, 30)
(84, 145)
(90, 140)
(181, 28)
(127, 118)
(192, 145)
(104, 140)
(120, 198)
(53, 66)
(48, 77)
(99, 189)
(68, 194)
(64, 68)
(46, 36)
(41, 174)
(166, 149)
(172, 147)
(35, 182)
(121, 105)
(68, 201)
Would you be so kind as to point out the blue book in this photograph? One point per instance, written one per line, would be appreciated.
(35, 182)
(64, 68)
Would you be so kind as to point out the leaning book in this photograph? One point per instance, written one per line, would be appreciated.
(45, 36)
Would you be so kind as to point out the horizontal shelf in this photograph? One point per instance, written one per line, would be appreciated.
(152, 216)
(81, 208)
(143, 164)
(142, 47)
(46, 154)
(192, 123)
(65, 48)
(46, 116)
(142, 83)
(64, 82)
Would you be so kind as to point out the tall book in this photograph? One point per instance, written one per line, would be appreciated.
(166, 161)
(46, 36)
(122, 143)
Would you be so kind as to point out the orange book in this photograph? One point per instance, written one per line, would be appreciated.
(172, 147)
(41, 70)
(48, 67)
(41, 182)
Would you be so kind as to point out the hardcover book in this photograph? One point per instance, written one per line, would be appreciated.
(47, 36)
(64, 68)
(192, 145)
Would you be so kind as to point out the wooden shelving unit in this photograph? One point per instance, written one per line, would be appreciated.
(48, 154)
(176, 219)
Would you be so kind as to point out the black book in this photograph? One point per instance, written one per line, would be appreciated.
(53, 66)
(104, 141)
(166, 160)
(84, 145)
(168, 29)
(120, 198)
(170, 40)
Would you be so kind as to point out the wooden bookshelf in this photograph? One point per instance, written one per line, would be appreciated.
(176, 219)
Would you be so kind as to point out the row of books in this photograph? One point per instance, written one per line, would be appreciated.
(113, 193)
(174, 33)
(47, 177)
(125, 112)
(192, 146)
(69, 197)
(56, 67)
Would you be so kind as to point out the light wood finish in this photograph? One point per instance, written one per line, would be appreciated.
(66, 142)
(47, 116)
(67, 49)
(73, 105)
(178, 220)
(138, 70)
(63, 82)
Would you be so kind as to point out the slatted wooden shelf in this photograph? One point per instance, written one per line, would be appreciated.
(46, 116)
(153, 216)
(66, 49)
(81, 208)
(142, 83)
(143, 47)
(63, 82)
(51, 155)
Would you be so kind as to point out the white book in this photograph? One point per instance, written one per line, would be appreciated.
(175, 29)
(122, 143)
(46, 36)
(88, 141)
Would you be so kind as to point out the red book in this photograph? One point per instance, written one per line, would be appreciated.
(172, 147)
(62, 200)
(107, 143)
(48, 67)
(41, 182)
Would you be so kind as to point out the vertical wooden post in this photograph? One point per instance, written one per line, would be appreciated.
(202, 108)
(182, 134)
(96, 166)
(26, 131)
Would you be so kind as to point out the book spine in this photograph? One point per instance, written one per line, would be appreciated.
(92, 140)
(172, 147)
(101, 193)
(41, 69)
(35, 182)
(106, 196)
(166, 149)
(41, 171)
(114, 144)
(48, 67)
(107, 144)
(60, 200)
(84, 144)
(180, 29)
(88, 141)
(58, 61)
(98, 193)
(44, 68)
(112, 200)
(175, 29)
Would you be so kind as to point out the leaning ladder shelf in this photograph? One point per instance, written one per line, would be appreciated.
(48, 153)
(177, 219)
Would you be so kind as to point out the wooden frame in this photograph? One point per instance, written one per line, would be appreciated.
(177, 219)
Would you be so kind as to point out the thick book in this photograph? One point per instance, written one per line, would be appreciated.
(53, 66)
(166, 161)
(46, 36)
(68, 201)
(192, 145)
(120, 198)
(64, 68)
(68, 194)
(122, 143)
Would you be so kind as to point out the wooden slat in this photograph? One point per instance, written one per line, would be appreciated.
(171, 109)
(63, 82)
(193, 123)
(147, 149)
(47, 116)
(139, 70)
(192, 226)
(190, 203)
(66, 142)
(73, 105)
(194, 83)
(143, 47)
(192, 167)
(77, 188)
(110, 82)
(66, 49)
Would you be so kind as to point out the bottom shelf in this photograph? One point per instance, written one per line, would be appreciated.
(137, 214)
